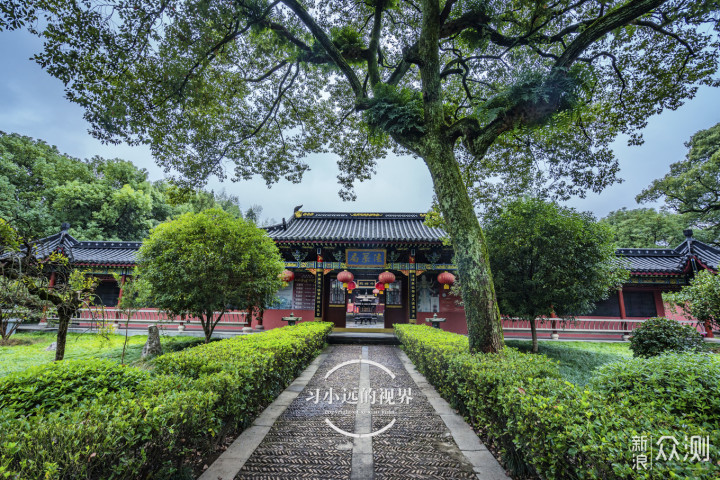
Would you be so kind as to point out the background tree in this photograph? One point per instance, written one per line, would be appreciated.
(549, 259)
(528, 91)
(648, 228)
(102, 199)
(700, 299)
(50, 279)
(692, 186)
(17, 306)
(208, 262)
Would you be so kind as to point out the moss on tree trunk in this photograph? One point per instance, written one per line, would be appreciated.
(471, 255)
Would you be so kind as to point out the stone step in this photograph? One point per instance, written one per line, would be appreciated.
(362, 338)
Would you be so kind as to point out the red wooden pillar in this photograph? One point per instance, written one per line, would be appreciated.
(122, 283)
(659, 304)
(51, 284)
(621, 299)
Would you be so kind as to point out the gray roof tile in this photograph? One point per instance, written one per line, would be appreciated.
(356, 227)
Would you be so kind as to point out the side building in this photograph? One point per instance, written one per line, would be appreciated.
(374, 270)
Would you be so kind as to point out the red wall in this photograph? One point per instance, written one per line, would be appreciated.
(273, 318)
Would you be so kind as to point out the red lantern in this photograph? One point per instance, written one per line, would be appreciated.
(386, 278)
(287, 276)
(375, 291)
(380, 287)
(345, 277)
(351, 286)
(447, 279)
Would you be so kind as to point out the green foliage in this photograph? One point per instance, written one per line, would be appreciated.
(683, 385)
(700, 299)
(156, 427)
(30, 349)
(102, 199)
(548, 259)
(577, 360)
(207, 262)
(660, 335)
(647, 228)
(395, 111)
(545, 427)
(692, 186)
(59, 385)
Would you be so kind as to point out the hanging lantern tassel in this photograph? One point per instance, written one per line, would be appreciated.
(345, 285)
(447, 279)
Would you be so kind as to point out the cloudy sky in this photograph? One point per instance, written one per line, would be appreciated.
(32, 103)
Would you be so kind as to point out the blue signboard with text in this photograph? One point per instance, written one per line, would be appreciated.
(361, 258)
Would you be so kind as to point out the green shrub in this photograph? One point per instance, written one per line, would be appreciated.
(684, 385)
(151, 428)
(658, 335)
(544, 426)
(52, 386)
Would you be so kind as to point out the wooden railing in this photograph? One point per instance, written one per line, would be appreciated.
(600, 326)
(115, 317)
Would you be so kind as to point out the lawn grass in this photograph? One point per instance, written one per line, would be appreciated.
(28, 349)
(578, 360)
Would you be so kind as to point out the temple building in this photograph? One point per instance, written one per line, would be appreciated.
(374, 270)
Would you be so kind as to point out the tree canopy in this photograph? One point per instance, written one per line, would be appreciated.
(525, 91)
(549, 260)
(203, 264)
(102, 199)
(692, 187)
(700, 299)
(648, 228)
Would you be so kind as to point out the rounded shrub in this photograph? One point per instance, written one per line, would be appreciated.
(659, 335)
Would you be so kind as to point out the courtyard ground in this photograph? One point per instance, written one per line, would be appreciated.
(29, 349)
(578, 359)
(317, 429)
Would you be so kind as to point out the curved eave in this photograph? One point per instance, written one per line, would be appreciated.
(656, 273)
(359, 242)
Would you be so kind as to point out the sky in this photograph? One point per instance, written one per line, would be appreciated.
(32, 103)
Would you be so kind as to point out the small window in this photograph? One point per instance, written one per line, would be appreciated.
(108, 293)
(610, 307)
(640, 304)
(337, 292)
(392, 294)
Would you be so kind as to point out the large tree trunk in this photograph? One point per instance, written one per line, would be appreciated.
(63, 325)
(471, 255)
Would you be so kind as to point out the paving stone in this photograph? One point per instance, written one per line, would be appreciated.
(426, 440)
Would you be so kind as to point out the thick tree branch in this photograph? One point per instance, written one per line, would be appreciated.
(602, 26)
(327, 44)
(373, 47)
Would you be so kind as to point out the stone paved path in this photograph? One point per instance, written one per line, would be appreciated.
(379, 391)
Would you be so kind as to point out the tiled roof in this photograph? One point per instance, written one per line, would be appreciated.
(667, 261)
(91, 253)
(331, 227)
(356, 227)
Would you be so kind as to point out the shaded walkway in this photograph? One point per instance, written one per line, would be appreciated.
(374, 418)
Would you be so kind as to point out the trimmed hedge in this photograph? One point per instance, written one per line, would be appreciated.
(548, 427)
(153, 422)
